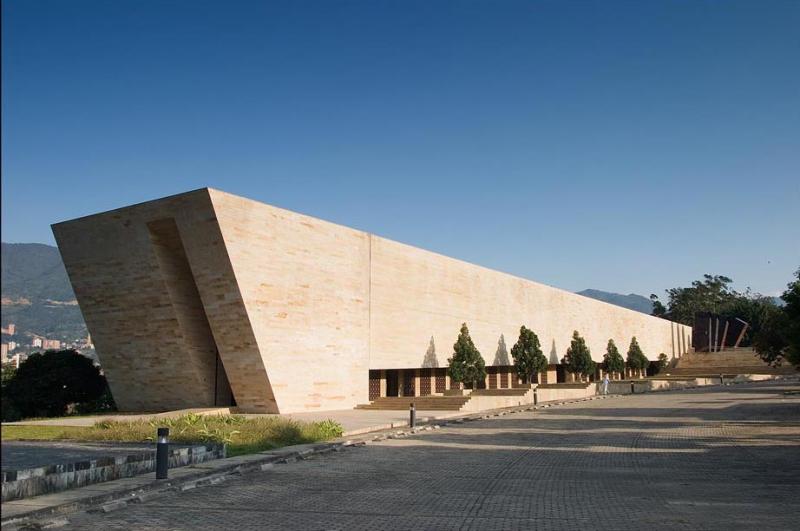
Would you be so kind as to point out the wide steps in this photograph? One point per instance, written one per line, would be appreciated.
(421, 403)
(514, 391)
(729, 361)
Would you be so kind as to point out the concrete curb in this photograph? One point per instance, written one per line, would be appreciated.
(220, 470)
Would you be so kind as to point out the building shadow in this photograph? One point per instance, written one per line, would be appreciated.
(430, 361)
(554, 355)
(501, 354)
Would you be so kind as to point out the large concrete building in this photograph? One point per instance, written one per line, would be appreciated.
(205, 298)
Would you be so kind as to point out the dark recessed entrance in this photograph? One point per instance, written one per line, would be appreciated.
(392, 383)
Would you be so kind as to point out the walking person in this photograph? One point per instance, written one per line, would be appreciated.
(605, 384)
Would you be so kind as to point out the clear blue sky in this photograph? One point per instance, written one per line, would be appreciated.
(626, 146)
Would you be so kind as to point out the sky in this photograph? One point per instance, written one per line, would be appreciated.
(624, 146)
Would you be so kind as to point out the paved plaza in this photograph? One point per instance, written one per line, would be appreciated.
(715, 458)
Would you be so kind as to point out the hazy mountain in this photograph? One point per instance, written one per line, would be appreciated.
(631, 301)
(34, 271)
(36, 293)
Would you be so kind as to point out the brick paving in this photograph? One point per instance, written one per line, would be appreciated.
(715, 458)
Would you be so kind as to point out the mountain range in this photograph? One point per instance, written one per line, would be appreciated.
(631, 301)
(36, 294)
(38, 298)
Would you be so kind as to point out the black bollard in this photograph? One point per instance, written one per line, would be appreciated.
(721, 380)
(632, 388)
(162, 453)
(535, 396)
(412, 415)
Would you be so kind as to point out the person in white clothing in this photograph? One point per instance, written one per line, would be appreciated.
(605, 384)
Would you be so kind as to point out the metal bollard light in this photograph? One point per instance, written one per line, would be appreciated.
(633, 390)
(721, 379)
(535, 396)
(412, 415)
(162, 453)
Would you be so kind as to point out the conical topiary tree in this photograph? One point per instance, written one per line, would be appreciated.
(636, 360)
(467, 364)
(528, 357)
(578, 359)
(612, 359)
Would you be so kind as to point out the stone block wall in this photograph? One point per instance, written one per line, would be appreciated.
(206, 298)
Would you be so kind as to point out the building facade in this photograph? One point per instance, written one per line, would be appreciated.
(206, 298)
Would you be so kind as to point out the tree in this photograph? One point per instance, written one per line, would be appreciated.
(528, 357)
(778, 339)
(612, 359)
(45, 384)
(711, 294)
(636, 359)
(659, 310)
(8, 410)
(578, 359)
(663, 361)
(467, 364)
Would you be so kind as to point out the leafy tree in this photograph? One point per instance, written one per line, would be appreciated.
(662, 363)
(659, 310)
(778, 339)
(45, 384)
(578, 359)
(612, 359)
(636, 359)
(9, 411)
(528, 357)
(711, 294)
(467, 364)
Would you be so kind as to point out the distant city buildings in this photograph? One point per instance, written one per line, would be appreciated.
(51, 344)
(15, 360)
(14, 352)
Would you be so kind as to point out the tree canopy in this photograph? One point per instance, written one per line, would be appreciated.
(467, 364)
(715, 294)
(578, 359)
(636, 358)
(45, 384)
(778, 339)
(612, 359)
(527, 355)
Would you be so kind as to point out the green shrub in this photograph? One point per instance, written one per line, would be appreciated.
(242, 434)
(46, 384)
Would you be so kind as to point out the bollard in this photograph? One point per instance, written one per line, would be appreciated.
(721, 380)
(162, 453)
(535, 396)
(412, 415)
(632, 388)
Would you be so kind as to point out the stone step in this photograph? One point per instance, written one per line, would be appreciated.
(446, 403)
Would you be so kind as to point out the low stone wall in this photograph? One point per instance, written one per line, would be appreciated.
(549, 393)
(666, 384)
(480, 402)
(29, 482)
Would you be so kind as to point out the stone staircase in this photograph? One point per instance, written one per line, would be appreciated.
(440, 403)
(421, 403)
(730, 361)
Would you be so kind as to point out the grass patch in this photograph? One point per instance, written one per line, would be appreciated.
(242, 435)
(41, 433)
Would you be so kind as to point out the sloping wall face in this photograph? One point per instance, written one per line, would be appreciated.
(305, 283)
(298, 309)
(419, 297)
(159, 297)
